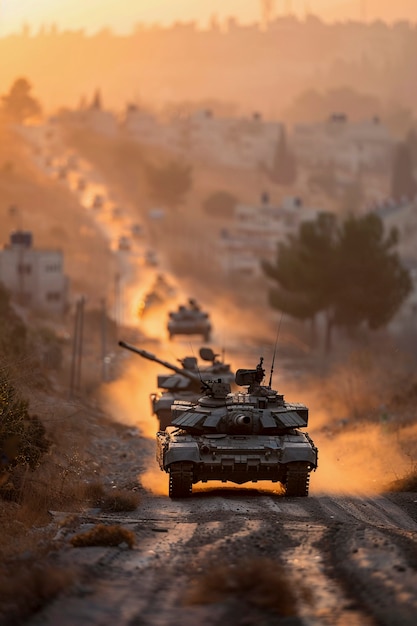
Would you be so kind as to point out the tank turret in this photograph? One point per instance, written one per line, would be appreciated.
(243, 436)
(187, 383)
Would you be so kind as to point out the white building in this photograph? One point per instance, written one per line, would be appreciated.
(347, 145)
(34, 277)
(142, 125)
(256, 232)
(402, 215)
(94, 119)
(233, 142)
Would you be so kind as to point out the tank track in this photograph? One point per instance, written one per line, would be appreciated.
(297, 480)
(180, 479)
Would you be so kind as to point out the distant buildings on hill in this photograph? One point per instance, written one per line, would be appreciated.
(345, 145)
(256, 231)
(251, 142)
(34, 277)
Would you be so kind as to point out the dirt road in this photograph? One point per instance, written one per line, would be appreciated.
(348, 560)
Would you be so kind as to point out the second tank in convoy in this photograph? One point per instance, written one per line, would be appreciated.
(185, 382)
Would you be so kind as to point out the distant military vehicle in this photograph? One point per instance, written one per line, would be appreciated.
(189, 320)
(160, 291)
(239, 437)
(124, 243)
(187, 382)
(98, 201)
(81, 184)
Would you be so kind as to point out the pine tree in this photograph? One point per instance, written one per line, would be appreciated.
(96, 103)
(284, 169)
(19, 104)
(349, 271)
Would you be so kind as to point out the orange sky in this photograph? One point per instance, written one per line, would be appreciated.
(123, 14)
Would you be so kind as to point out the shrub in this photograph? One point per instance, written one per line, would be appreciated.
(102, 535)
(23, 439)
(118, 500)
(31, 585)
(405, 484)
(258, 581)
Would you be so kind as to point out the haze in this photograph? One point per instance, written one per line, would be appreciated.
(123, 14)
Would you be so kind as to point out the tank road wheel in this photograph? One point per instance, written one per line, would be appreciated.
(297, 480)
(180, 479)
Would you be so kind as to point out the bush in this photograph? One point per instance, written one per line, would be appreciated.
(118, 500)
(23, 439)
(259, 581)
(102, 535)
(33, 584)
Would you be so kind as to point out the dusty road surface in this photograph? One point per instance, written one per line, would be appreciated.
(239, 556)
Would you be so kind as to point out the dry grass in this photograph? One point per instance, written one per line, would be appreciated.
(118, 500)
(102, 535)
(260, 582)
(406, 484)
(27, 585)
(94, 491)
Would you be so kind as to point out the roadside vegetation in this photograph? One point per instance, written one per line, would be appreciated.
(102, 535)
(45, 466)
(346, 270)
(258, 582)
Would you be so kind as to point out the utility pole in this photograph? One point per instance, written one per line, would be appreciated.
(77, 348)
(104, 373)
(117, 301)
(80, 343)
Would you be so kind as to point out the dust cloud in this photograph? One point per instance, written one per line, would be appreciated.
(366, 434)
(127, 399)
(155, 481)
(362, 461)
(363, 443)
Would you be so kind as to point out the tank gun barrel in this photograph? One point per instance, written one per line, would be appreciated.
(194, 376)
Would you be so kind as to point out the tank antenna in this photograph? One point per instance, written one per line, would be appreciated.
(204, 385)
(275, 351)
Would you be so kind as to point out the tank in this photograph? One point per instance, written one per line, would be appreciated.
(186, 383)
(244, 436)
(189, 320)
(159, 293)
